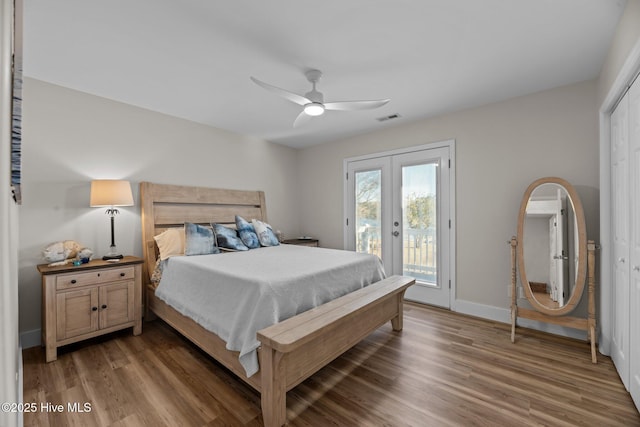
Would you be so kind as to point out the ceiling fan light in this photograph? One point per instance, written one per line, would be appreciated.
(314, 109)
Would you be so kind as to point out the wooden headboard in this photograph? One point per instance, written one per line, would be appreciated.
(165, 206)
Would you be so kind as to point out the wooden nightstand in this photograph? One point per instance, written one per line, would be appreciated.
(302, 242)
(80, 302)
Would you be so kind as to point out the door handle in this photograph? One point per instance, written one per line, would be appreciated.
(396, 233)
(636, 268)
(621, 260)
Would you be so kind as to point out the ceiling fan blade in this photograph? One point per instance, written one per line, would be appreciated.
(302, 119)
(355, 105)
(293, 97)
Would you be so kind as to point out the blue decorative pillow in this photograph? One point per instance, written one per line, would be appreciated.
(247, 233)
(265, 234)
(199, 240)
(228, 238)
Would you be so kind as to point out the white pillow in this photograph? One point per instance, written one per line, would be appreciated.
(265, 234)
(170, 242)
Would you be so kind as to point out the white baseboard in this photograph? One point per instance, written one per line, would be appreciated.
(503, 315)
(552, 329)
(489, 312)
(30, 339)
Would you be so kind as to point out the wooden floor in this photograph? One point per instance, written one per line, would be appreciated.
(443, 369)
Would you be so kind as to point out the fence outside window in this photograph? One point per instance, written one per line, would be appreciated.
(419, 250)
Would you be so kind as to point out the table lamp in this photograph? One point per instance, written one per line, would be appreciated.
(111, 193)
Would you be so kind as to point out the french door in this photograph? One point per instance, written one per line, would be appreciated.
(399, 206)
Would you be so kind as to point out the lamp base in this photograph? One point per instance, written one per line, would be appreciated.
(113, 254)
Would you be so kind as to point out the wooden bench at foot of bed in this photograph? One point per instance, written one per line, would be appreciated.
(296, 348)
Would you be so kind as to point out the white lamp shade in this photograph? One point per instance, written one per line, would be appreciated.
(111, 192)
(314, 109)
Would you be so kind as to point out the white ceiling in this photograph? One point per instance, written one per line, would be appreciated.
(193, 58)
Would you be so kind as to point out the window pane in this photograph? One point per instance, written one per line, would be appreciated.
(368, 211)
(419, 207)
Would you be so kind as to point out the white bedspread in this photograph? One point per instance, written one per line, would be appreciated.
(236, 294)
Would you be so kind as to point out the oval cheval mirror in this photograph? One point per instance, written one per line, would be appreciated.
(553, 257)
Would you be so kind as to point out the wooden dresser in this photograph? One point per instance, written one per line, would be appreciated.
(80, 302)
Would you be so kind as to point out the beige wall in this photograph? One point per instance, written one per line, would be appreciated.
(71, 138)
(500, 149)
(626, 37)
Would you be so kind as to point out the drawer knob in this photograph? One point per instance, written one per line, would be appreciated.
(73, 281)
(104, 306)
(123, 274)
(94, 308)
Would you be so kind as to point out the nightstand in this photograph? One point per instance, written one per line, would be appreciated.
(302, 242)
(80, 302)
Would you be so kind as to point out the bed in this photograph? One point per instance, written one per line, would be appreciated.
(289, 351)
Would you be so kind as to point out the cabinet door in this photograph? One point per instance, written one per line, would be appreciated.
(116, 304)
(76, 313)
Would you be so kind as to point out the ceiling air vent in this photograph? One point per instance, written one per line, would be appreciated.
(390, 117)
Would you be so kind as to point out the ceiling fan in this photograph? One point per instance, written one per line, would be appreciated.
(313, 101)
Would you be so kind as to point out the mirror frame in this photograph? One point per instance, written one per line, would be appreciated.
(581, 275)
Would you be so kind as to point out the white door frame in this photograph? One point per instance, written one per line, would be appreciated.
(450, 144)
(628, 71)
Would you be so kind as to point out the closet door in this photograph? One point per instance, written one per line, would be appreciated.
(634, 254)
(620, 235)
